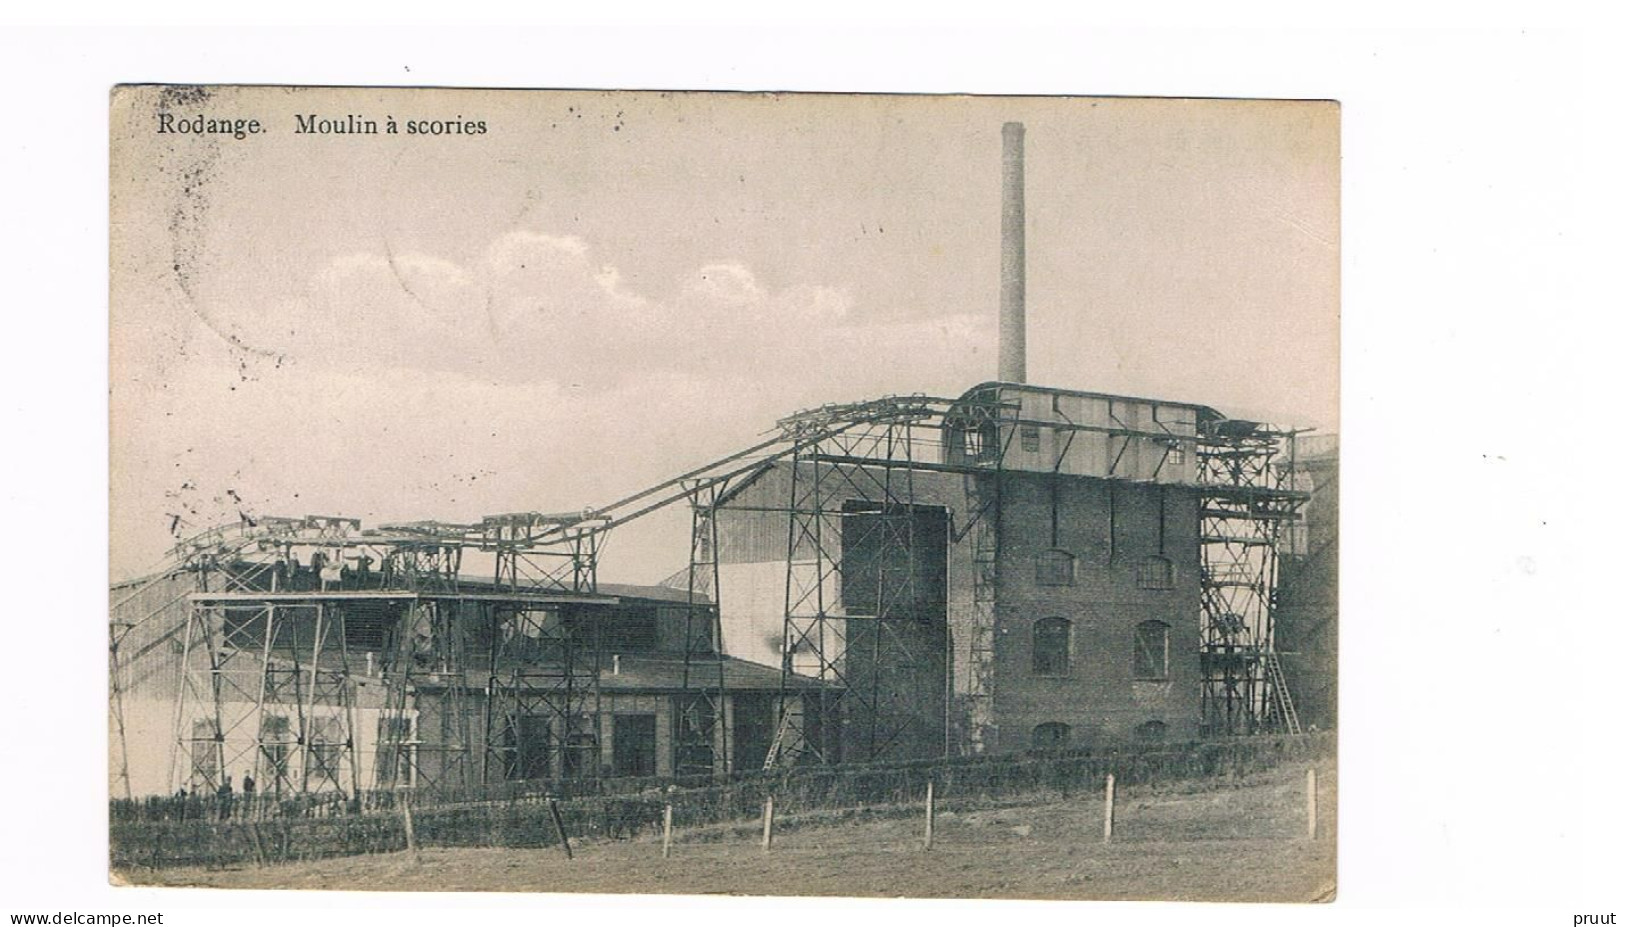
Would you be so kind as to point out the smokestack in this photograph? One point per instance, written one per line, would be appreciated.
(1013, 265)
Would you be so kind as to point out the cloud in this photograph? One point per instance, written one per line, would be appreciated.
(527, 378)
(534, 307)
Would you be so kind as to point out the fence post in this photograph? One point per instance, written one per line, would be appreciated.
(930, 811)
(767, 824)
(1111, 796)
(558, 826)
(665, 839)
(1309, 799)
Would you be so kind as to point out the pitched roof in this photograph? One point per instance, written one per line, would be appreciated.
(651, 673)
(665, 673)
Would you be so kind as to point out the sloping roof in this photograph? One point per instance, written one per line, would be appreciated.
(626, 593)
(650, 673)
(645, 672)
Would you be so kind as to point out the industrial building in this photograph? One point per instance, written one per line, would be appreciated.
(377, 678)
(1016, 567)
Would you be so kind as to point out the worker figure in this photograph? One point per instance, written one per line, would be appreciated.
(223, 796)
(248, 794)
(332, 573)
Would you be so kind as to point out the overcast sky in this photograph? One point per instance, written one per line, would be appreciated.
(602, 290)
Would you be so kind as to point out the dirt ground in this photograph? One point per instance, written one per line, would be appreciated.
(1188, 841)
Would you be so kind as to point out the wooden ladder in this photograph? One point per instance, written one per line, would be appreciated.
(1283, 697)
(778, 739)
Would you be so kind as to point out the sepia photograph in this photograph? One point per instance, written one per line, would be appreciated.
(786, 494)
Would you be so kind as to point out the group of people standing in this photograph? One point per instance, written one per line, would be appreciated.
(225, 797)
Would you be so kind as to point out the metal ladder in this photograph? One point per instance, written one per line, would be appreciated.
(1283, 697)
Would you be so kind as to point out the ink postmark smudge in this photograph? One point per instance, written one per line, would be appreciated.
(195, 174)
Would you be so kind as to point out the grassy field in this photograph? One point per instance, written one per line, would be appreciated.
(1214, 840)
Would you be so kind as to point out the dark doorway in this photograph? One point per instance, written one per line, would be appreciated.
(634, 745)
(534, 750)
(754, 725)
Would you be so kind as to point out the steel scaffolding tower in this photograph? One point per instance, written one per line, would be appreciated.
(542, 714)
(269, 682)
(701, 733)
(851, 490)
(987, 424)
(1248, 498)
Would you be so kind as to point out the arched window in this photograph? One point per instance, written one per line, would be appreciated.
(1055, 568)
(981, 441)
(1052, 646)
(1151, 732)
(1151, 650)
(1156, 573)
(1051, 734)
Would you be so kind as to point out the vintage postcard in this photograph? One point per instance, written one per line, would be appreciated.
(776, 494)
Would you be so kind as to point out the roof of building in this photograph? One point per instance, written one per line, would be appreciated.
(626, 593)
(618, 593)
(649, 673)
(1205, 410)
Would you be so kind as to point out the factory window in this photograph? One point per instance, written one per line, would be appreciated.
(1055, 568)
(275, 736)
(981, 441)
(973, 443)
(1050, 735)
(206, 752)
(1156, 573)
(1176, 454)
(1151, 650)
(397, 750)
(1029, 438)
(326, 751)
(634, 747)
(1151, 732)
(1052, 646)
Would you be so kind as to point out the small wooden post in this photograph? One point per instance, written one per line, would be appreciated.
(930, 812)
(665, 838)
(767, 824)
(1111, 798)
(1309, 799)
(558, 827)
